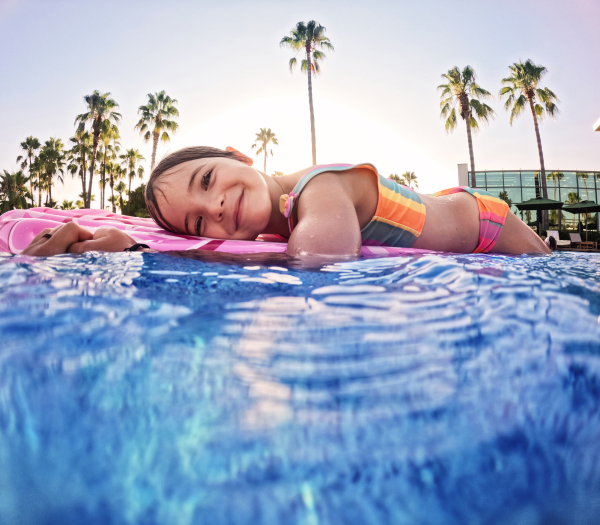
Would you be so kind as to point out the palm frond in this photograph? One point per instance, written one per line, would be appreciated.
(518, 106)
(479, 92)
(473, 124)
(451, 121)
(483, 111)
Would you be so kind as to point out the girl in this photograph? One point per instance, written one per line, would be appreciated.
(323, 210)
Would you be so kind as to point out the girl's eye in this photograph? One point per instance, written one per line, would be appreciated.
(198, 225)
(206, 180)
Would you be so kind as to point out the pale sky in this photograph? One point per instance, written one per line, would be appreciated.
(375, 100)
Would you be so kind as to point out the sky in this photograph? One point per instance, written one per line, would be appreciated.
(375, 99)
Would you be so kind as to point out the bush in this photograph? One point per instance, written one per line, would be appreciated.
(138, 203)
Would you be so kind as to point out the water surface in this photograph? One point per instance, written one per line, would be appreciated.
(434, 389)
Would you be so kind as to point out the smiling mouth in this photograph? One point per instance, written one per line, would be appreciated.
(238, 210)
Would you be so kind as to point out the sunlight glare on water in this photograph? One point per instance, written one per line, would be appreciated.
(438, 389)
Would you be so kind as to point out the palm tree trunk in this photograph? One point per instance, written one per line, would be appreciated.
(83, 179)
(103, 181)
(50, 188)
(470, 140)
(312, 112)
(265, 168)
(30, 179)
(542, 167)
(39, 190)
(112, 192)
(94, 152)
(129, 194)
(154, 146)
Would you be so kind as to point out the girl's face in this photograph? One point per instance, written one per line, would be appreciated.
(215, 197)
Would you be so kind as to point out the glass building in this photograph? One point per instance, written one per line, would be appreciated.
(519, 186)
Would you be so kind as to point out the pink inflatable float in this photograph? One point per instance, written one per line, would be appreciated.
(19, 227)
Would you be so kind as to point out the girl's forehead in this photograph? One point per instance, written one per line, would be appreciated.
(191, 165)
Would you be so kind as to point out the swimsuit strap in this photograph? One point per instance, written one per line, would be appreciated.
(287, 201)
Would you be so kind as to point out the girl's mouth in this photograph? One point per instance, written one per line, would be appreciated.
(238, 210)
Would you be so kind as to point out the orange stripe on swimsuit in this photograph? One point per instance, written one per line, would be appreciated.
(398, 219)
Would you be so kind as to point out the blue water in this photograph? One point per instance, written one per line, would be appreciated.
(148, 389)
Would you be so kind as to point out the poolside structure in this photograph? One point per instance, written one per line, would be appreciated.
(516, 186)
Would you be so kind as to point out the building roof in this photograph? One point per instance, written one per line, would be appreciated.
(597, 125)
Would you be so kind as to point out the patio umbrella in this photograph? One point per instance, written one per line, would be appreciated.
(583, 207)
(539, 204)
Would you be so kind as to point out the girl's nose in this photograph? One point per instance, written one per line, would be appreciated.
(217, 209)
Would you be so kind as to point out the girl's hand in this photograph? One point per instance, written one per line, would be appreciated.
(53, 241)
(71, 238)
(103, 240)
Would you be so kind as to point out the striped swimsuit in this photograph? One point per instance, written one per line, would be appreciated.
(400, 215)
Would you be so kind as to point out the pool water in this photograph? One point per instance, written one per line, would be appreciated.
(425, 389)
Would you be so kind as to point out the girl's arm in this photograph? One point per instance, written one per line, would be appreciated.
(327, 221)
(72, 238)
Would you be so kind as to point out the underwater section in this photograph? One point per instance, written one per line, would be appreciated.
(423, 389)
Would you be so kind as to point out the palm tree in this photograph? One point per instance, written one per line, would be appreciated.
(114, 200)
(116, 173)
(111, 170)
(91, 197)
(410, 178)
(462, 90)
(396, 178)
(311, 38)
(158, 114)
(130, 159)
(522, 88)
(30, 146)
(13, 191)
(110, 133)
(100, 107)
(120, 188)
(262, 139)
(80, 153)
(52, 157)
(555, 176)
(67, 205)
(109, 156)
(37, 169)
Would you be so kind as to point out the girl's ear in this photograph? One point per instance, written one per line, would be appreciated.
(240, 156)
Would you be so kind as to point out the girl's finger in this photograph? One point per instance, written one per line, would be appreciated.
(62, 238)
(69, 233)
(40, 236)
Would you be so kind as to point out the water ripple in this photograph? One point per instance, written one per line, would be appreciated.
(419, 389)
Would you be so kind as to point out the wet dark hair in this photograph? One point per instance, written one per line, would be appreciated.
(552, 242)
(169, 162)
